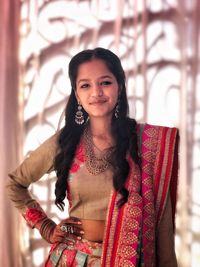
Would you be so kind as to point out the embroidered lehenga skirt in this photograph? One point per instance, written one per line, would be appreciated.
(82, 254)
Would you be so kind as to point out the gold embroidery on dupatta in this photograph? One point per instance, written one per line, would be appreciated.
(128, 240)
(148, 156)
(150, 145)
(112, 230)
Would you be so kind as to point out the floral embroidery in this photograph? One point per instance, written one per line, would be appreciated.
(76, 165)
(83, 247)
(74, 168)
(68, 258)
(78, 160)
(80, 153)
(33, 215)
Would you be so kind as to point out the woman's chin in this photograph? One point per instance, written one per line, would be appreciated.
(100, 115)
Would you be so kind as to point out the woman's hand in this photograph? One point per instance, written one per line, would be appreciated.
(67, 231)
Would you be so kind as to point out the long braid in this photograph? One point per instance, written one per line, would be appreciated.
(124, 132)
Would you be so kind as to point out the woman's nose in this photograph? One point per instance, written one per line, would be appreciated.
(97, 90)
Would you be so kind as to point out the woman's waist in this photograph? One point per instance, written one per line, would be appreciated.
(93, 229)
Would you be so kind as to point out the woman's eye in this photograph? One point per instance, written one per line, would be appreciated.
(106, 83)
(85, 85)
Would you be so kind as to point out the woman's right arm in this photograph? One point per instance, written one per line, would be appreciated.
(32, 169)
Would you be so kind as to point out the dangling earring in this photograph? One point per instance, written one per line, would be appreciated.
(117, 111)
(79, 118)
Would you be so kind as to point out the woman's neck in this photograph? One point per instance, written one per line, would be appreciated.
(100, 127)
(101, 133)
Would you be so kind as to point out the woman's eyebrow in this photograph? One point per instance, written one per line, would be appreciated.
(101, 77)
(83, 80)
(105, 76)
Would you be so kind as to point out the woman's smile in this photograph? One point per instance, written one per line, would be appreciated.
(98, 102)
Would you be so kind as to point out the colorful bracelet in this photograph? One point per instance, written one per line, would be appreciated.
(46, 229)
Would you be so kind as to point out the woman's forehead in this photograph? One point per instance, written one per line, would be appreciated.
(93, 68)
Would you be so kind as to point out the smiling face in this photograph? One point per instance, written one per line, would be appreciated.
(96, 89)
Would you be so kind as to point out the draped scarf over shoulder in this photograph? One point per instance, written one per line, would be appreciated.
(148, 191)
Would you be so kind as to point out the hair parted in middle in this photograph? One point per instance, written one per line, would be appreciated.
(123, 128)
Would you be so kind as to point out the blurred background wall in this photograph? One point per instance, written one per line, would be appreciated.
(158, 43)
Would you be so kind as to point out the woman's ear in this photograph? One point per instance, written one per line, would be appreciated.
(77, 98)
(120, 91)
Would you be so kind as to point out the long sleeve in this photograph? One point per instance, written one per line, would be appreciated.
(30, 170)
(165, 239)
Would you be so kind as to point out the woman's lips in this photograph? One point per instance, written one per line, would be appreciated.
(97, 102)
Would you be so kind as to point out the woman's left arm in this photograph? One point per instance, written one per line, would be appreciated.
(165, 239)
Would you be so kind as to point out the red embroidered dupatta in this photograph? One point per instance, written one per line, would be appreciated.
(147, 197)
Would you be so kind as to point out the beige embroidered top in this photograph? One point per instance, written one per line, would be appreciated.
(89, 193)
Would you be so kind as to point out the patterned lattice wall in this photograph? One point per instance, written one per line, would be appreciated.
(151, 38)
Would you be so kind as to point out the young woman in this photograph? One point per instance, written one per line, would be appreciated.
(119, 176)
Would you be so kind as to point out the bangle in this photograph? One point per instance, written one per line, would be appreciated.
(47, 228)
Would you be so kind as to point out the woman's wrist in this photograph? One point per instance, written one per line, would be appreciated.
(46, 228)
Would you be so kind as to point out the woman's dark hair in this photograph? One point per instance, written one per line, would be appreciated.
(123, 128)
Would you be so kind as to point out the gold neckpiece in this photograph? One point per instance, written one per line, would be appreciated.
(95, 165)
